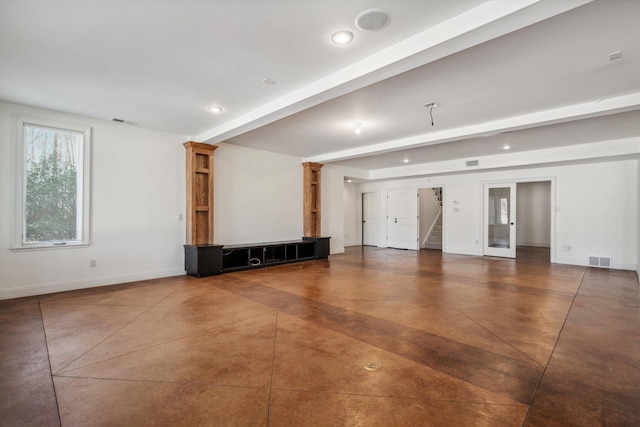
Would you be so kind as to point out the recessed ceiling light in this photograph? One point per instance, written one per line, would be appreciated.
(358, 128)
(342, 37)
(406, 160)
(372, 20)
(215, 109)
(506, 147)
(268, 81)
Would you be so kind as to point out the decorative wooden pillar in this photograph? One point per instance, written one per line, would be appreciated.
(199, 193)
(311, 199)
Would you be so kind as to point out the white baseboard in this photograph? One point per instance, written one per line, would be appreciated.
(335, 251)
(72, 285)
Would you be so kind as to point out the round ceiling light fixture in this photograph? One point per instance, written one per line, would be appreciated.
(372, 20)
(342, 37)
(215, 109)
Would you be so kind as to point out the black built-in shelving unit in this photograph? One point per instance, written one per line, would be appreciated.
(208, 260)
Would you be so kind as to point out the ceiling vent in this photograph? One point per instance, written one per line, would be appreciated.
(602, 262)
(372, 20)
(472, 163)
(615, 55)
(117, 120)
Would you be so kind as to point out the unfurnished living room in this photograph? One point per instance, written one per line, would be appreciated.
(319, 212)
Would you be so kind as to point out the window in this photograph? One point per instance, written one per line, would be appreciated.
(54, 173)
(498, 206)
(504, 211)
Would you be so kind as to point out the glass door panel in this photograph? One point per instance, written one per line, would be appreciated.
(500, 214)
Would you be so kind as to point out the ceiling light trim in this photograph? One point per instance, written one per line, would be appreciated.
(342, 38)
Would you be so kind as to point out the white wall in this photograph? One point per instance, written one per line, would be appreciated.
(350, 215)
(138, 193)
(332, 204)
(138, 185)
(258, 196)
(638, 219)
(606, 225)
(533, 214)
(598, 213)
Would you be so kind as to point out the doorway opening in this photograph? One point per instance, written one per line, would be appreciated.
(518, 219)
(431, 218)
(533, 220)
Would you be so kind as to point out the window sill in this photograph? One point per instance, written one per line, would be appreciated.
(50, 247)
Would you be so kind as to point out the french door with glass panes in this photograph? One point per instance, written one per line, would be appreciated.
(500, 220)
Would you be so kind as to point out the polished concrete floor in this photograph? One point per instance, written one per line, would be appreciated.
(372, 337)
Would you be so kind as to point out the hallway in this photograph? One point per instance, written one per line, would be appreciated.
(371, 337)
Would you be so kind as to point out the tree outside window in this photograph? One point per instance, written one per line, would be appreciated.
(55, 184)
(51, 203)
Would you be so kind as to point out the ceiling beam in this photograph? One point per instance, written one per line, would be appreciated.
(489, 20)
(600, 107)
(595, 151)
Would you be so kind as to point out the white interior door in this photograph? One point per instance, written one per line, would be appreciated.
(403, 219)
(500, 220)
(370, 219)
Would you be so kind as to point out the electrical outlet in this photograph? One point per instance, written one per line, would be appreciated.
(92, 263)
(565, 248)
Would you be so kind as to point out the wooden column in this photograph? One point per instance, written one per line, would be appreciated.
(311, 199)
(199, 193)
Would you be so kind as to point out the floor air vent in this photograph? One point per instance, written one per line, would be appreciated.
(602, 262)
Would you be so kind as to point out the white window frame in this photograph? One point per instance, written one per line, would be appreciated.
(21, 183)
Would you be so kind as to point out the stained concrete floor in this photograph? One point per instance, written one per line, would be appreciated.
(372, 337)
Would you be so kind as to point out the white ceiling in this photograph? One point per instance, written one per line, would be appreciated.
(502, 71)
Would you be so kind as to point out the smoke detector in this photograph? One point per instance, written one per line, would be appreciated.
(372, 20)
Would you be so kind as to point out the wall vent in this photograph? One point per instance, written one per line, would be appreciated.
(602, 262)
(472, 163)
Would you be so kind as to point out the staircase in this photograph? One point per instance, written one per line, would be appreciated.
(434, 239)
